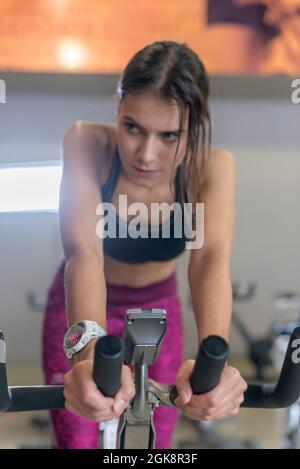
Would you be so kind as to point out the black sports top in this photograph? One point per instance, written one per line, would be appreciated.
(141, 249)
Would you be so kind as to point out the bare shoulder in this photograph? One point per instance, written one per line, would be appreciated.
(102, 133)
(219, 165)
(97, 139)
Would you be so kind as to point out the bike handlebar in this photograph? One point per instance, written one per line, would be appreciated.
(287, 389)
(210, 360)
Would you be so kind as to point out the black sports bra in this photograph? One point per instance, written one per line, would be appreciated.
(141, 249)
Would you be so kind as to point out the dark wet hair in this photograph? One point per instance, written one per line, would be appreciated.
(175, 72)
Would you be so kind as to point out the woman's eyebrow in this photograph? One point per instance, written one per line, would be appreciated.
(141, 127)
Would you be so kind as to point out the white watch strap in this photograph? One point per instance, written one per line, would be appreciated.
(93, 330)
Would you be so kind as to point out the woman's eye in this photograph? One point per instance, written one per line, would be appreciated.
(131, 127)
(170, 137)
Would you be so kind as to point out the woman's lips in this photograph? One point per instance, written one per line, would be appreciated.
(144, 172)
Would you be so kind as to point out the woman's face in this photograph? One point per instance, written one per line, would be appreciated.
(147, 135)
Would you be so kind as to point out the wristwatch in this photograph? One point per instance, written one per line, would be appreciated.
(79, 335)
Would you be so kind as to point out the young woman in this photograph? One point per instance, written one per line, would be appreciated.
(159, 151)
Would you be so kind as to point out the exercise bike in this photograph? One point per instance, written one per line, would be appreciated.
(260, 350)
(287, 302)
(144, 330)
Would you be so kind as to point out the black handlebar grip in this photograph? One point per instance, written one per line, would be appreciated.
(210, 361)
(211, 358)
(108, 361)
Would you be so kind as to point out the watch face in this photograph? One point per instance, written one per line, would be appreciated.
(74, 335)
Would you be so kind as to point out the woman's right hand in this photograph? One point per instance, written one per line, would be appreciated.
(83, 398)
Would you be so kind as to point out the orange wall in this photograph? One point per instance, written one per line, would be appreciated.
(100, 36)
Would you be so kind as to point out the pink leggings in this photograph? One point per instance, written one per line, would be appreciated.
(72, 431)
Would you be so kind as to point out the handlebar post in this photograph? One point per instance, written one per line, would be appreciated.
(136, 427)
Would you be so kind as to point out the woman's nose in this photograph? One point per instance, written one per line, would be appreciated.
(147, 153)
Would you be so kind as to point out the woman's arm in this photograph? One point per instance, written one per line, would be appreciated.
(210, 283)
(85, 282)
(80, 194)
(209, 267)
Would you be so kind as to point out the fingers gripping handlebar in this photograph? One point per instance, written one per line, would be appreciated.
(108, 361)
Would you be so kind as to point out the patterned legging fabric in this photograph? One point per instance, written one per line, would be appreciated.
(71, 431)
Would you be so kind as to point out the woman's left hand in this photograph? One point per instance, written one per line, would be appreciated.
(223, 401)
